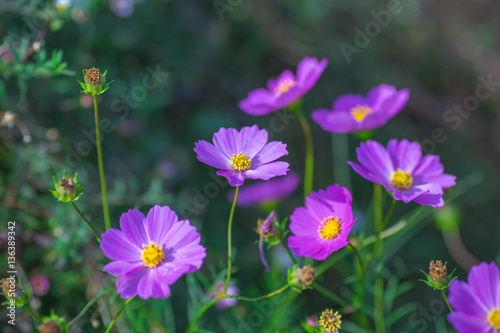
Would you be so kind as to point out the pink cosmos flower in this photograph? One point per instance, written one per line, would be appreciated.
(353, 113)
(243, 154)
(476, 303)
(151, 253)
(402, 170)
(322, 226)
(285, 89)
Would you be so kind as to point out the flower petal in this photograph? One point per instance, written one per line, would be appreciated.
(308, 72)
(405, 155)
(335, 121)
(258, 102)
(116, 246)
(151, 285)
(252, 140)
(270, 152)
(209, 154)
(267, 171)
(235, 178)
(159, 222)
(132, 226)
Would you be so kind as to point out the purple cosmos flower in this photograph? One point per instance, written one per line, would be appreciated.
(264, 192)
(152, 252)
(476, 303)
(285, 89)
(225, 302)
(354, 113)
(40, 285)
(402, 170)
(323, 225)
(243, 154)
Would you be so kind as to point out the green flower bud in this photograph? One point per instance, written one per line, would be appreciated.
(437, 277)
(53, 324)
(15, 292)
(67, 189)
(95, 82)
(301, 278)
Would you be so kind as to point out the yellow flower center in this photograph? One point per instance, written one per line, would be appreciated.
(359, 112)
(283, 87)
(401, 179)
(494, 318)
(329, 321)
(152, 255)
(329, 228)
(241, 162)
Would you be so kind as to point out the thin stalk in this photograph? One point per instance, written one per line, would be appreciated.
(446, 300)
(309, 166)
(289, 252)
(229, 240)
(194, 323)
(117, 314)
(328, 294)
(105, 207)
(389, 214)
(96, 234)
(378, 303)
(361, 286)
(28, 309)
(84, 310)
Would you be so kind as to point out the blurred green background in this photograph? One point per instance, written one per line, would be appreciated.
(215, 52)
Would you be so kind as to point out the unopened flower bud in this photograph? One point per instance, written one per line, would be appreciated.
(301, 278)
(53, 324)
(95, 82)
(437, 277)
(15, 292)
(50, 326)
(67, 189)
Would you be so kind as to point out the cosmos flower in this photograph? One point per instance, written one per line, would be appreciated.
(353, 113)
(263, 192)
(151, 253)
(285, 89)
(323, 225)
(225, 302)
(243, 154)
(330, 322)
(476, 303)
(40, 285)
(402, 170)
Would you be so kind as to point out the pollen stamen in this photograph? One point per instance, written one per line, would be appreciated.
(241, 162)
(283, 87)
(329, 321)
(494, 318)
(401, 179)
(360, 112)
(152, 255)
(329, 228)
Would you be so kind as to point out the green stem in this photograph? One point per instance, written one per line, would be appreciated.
(289, 252)
(84, 310)
(309, 167)
(229, 245)
(117, 314)
(389, 214)
(105, 207)
(96, 234)
(363, 318)
(328, 294)
(446, 300)
(194, 323)
(378, 303)
(27, 308)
